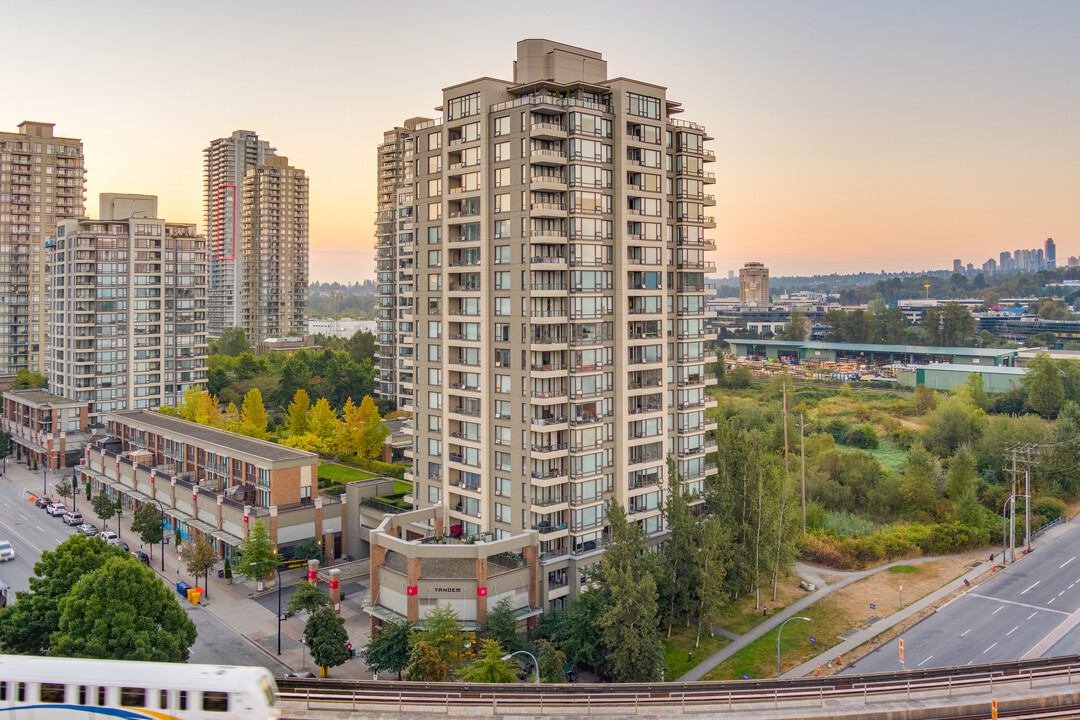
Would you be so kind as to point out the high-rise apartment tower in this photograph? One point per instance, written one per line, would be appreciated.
(274, 251)
(42, 180)
(395, 248)
(128, 308)
(226, 162)
(559, 222)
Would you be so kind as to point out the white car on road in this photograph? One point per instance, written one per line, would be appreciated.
(6, 551)
(56, 509)
(107, 535)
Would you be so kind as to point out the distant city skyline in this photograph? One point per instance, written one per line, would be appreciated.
(848, 136)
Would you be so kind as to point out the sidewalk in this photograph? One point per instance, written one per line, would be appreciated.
(233, 605)
(702, 669)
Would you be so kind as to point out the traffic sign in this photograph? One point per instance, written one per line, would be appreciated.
(993, 710)
(873, 606)
(901, 651)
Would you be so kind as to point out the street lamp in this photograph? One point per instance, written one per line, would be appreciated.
(535, 664)
(277, 576)
(797, 617)
(161, 509)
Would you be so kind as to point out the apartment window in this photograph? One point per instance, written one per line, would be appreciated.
(501, 125)
(502, 409)
(434, 423)
(502, 280)
(434, 447)
(434, 353)
(434, 282)
(434, 258)
(502, 254)
(502, 384)
(434, 187)
(502, 306)
(435, 400)
(434, 494)
(434, 211)
(502, 334)
(643, 106)
(502, 202)
(502, 513)
(463, 106)
(434, 235)
(434, 140)
(434, 164)
(502, 461)
(502, 177)
(502, 151)
(434, 329)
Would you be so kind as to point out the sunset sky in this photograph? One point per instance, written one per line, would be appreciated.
(849, 135)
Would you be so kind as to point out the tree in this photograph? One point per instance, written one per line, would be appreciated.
(201, 407)
(575, 632)
(308, 549)
(27, 625)
(347, 439)
(677, 567)
(146, 523)
(797, 328)
(361, 346)
(253, 420)
(1044, 386)
(124, 612)
(64, 488)
(373, 430)
(489, 666)
(957, 325)
(258, 555)
(976, 391)
(552, 661)
(500, 625)
(323, 421)
(295, 376)
(389, 650)
(298, 413)
(962, 477)
(917, 486)
(28, 379)
(425, 664)
(104, 506)
(309, 597)
(924, 399)
(442, 631)
(199, 556)
(629, 627)
(714, 547)
(327, 639)
(232, 342)
(308, 442)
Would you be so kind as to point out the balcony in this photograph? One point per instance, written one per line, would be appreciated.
(547, 130)
(547, 262)
(548, 157)
(547, 182)
(551, 210)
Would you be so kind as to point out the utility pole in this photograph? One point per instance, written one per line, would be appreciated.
(1012, 518)
(802, 456)
(787, 464)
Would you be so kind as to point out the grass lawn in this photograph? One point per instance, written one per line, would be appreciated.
(343, 473)
(837, 613)
(890, 455)
(682, 642)
(741, 616)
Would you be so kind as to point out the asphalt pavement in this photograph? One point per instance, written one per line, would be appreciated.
(1030, 609)
(31, 530)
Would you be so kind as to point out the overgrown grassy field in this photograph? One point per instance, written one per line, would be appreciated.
(890, 455)
(681, 642)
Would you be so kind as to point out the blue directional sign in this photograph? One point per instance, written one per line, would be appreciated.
(813, 640)
(745, 676)
(873, 606)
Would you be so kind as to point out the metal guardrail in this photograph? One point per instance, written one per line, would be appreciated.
(968, 680)
(1062, 519)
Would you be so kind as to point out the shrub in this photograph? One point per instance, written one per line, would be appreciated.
(862, 436)
(1050, 508)
(396, 471)
(838, 429)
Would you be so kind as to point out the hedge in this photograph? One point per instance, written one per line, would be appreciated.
(396, 470)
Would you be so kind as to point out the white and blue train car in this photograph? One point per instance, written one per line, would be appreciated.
(47, 688)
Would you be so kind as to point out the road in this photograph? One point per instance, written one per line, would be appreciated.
(31, 530)
(1032, 609)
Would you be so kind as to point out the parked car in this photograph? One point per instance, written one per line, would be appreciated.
(117, 542)
(89, 529)
(108, 535)
(56, 509)
(142, 557)
(72, 518)
(6, 551)
(43, 502)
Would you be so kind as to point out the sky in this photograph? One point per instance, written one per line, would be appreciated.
(850, 135)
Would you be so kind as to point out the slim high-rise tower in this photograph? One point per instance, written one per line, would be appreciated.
(559, 221)
(226, 162)
(274, 251)
(42, 180)
(1050, 254)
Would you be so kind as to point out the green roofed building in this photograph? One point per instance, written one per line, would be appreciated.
(946, 376)
(870, 354)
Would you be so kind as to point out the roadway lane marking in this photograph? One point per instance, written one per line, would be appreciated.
(924, 661)
(966, 632)
(1061, 593)
(989, 649)
(12, 531)
(1031, 586)
(1071, 586)
(40, 528)
(1014, 602)
(1066, 562)
(1011, 631)
(1050, 600)
(1032, 614)
(997, 611)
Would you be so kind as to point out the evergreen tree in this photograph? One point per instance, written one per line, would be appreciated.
(426, 664)
(146, 523)
(1044, 386)
(677, 568)
(307, 597)
(629, 627)
(389, 650)
(442, 631)
(258, 556)
(917, 486)
(500, 625)
(489, 666)
(962, 478)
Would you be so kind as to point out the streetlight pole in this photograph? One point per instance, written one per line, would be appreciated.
(535, 664)
(161, 521)
(796, 617)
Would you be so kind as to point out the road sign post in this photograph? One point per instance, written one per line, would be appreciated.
(993, 710)
(901, 651)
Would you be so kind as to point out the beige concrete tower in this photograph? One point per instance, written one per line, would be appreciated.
(395, 235)
(42, 180)
(128, 308)
(754, 284)
(274, 251)
(559, 225)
